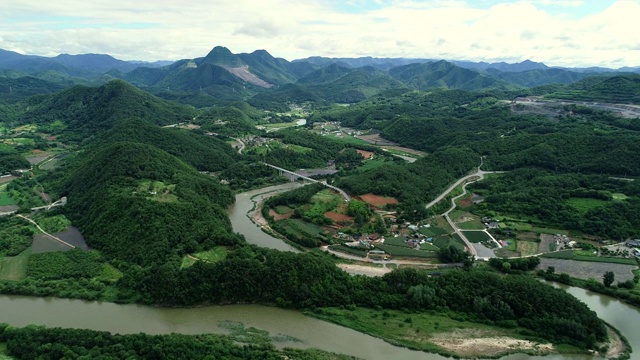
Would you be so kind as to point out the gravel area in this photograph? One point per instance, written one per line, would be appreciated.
(587, 269)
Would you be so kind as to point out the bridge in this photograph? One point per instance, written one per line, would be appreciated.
(293, 176)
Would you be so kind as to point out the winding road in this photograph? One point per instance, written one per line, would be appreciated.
(469, 179)
(46, 233)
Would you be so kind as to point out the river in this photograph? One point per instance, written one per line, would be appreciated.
(245, 206)
(309, 332)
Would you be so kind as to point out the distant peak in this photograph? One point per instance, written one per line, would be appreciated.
(220, 55)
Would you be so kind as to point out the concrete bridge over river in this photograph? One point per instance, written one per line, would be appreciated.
(294, 176)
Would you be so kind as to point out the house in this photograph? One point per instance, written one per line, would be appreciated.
(373, 237)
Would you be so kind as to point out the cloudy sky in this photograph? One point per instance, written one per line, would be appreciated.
(556, 32)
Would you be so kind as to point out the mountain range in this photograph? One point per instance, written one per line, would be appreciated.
(222, 77)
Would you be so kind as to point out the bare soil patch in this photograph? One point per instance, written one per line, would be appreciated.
(337, 217)
(470, 343)
(354, 269)
(465, 203)
(377, 200)
(587, 269)
(365, 154)
(6, 179)
(244, 74)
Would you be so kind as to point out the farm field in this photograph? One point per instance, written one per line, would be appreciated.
(476, 236)
(14, 267)
(406, 251)
(588, 270)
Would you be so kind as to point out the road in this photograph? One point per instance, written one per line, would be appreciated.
(46, 233)
(242, 145)
(469, 179)
(383, 262)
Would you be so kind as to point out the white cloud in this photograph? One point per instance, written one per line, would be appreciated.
(166, 29)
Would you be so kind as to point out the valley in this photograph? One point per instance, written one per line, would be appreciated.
(247, 179)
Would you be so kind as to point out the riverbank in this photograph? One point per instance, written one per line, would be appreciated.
(438, 333)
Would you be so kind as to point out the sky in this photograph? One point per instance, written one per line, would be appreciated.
(573, 33)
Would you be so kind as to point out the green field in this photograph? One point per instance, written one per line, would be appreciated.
(582, 205)
(476, 236)
(282, 209)
(573, 255)
(521, 226)
(5, 199)
(14, 267)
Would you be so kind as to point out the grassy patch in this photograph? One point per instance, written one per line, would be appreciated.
(619, 196)
(373, 164)
(5, 199)
(526, 248)
(187, 262)
(15, 267)
(53, 224)
(522, 226)
(109, 273)
(474, 224)
(476, 236)
(214, 255)
(326, 196)
(582, 205)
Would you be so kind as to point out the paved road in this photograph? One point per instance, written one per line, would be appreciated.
(469, 179)
(242, 146)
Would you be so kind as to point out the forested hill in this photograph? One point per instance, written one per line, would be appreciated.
(87, 111)
(141, 205)
(587, 141)
(616, 89)
(205, 153)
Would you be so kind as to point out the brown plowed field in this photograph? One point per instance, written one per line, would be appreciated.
(337, 217)
(377, 200)
(278, 217)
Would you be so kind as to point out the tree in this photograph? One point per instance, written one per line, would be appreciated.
(608, 278)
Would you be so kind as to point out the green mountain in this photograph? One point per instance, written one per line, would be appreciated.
(87, 111)
(13, 89)
(537, 77)
(443, 74)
